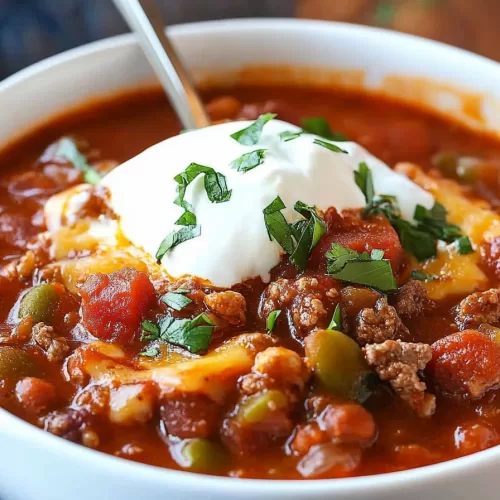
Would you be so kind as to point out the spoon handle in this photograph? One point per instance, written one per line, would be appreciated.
(144, 18)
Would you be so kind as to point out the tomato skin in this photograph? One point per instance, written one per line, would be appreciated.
(351, 231)
(465, 364)
(113, 305)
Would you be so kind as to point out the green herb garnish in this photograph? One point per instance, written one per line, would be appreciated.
(464, 245)
(290, 135)
(176, 237)
(271, 320)
(330, 146)
(434, 222)
(151, 330)
(250, 135)
(364, 180)
(150, 351)
(177, 299)
(416, 274)
(418, 238)
(298, 238)
(67, 150)
(360, 268)
(192, 334)
(320, 126)
(248, 161)
(336, 321)
(215, 184)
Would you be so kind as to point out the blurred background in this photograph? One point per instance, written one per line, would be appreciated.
(31, 30)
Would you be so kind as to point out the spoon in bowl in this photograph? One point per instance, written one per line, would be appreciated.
(144, 18)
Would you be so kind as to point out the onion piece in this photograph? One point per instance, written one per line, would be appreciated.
(323, 457)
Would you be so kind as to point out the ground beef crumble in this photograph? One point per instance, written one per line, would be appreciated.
(375, 325)
(411, 299)
(479, 307)
(276, 368)
(308, 300)
(230, 306)
(399, 363)
(55, 348)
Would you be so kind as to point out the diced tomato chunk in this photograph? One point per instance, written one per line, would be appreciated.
(465, 364)
(114, 304)
(351, 231)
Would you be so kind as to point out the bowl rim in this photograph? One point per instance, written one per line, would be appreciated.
(411, 478)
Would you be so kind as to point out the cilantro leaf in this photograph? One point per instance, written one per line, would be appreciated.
(150, 330)
(418, 238)
(248, 161)
(434, 222)
(271, 320)
(176, 300)
(298, 238)
(177, 237)
(330, 146)
(277, 226)
(188, 218)
(192, 334)
(307, 234)
(215, 184)
(416, 274)
(464, 245)
(150, 351)
(364, 180)
(290, 135)
(250, 135)
(336, 321)
(67, 150)
(348, 265)
(320, 126)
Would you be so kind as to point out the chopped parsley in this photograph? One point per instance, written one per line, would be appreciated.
(150, 351)
(364, 180)
(250, 135)
(290, 135)
(419, 238)
(150, 330)
(215, 184)
(248, 161)
(192, 334)
(416, 274)
(434, 222)
(330, 146)
(336, 321)
(217, 192)
(176, 237)
(271, 320)
(297, 238)
(320, 126)
(464, 245)
(360, 268)
(177, 299)
(67, 150)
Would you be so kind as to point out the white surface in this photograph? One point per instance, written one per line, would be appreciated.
(37, 466)
(234, 242)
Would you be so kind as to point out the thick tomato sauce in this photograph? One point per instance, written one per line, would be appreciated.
(123, 127)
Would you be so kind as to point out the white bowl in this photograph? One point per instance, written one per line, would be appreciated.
(35, 465)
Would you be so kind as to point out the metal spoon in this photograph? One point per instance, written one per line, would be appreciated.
(144, 18)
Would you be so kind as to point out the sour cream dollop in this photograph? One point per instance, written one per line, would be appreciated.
(234, 244)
